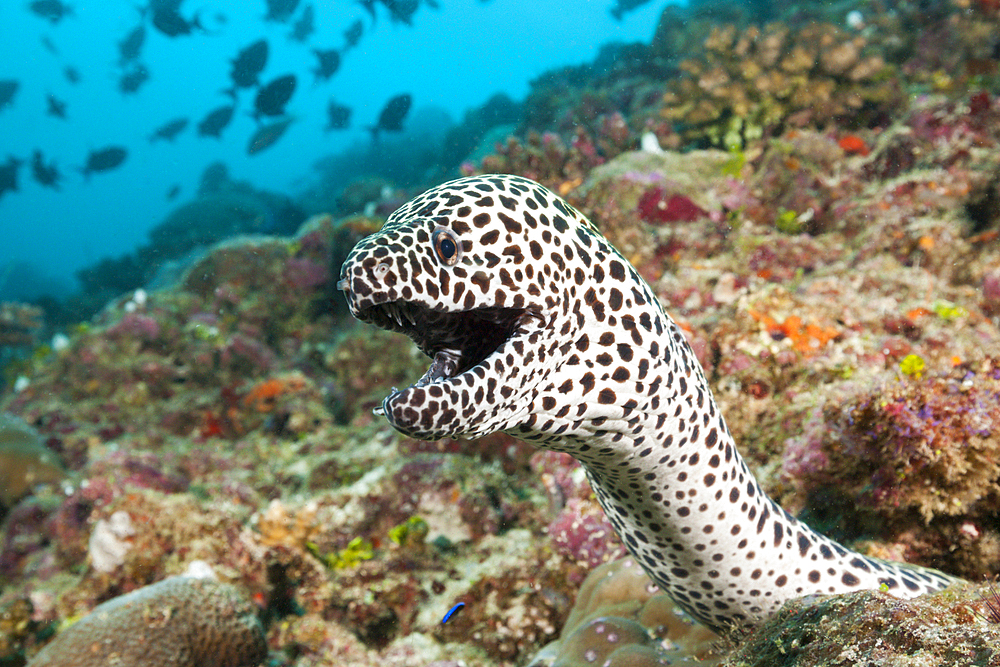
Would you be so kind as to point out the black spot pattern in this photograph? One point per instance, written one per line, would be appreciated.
(541, 329)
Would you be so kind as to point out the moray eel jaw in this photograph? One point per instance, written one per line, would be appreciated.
(457, 343)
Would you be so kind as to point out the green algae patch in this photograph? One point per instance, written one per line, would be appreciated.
(24, 460)
(876, 630)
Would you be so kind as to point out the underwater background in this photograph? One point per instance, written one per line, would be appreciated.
(187, 440)
(451, 59)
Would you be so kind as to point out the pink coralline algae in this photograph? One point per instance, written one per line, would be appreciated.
(927, 446)
(991, 292)
(561, 475)
(580, 531)
(136, 326)
(583, 533)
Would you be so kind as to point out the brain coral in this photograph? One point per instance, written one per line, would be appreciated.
(621, 618)
(178, 622)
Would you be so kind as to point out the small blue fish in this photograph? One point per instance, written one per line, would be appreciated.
(451, 612)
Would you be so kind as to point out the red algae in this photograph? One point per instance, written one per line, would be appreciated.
(656, 206)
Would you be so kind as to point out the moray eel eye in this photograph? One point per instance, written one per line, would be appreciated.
(445, 246)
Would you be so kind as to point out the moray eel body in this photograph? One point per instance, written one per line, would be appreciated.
(538, 327)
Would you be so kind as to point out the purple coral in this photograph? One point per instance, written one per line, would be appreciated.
(136, 326)
(927, 446)
(305, 274)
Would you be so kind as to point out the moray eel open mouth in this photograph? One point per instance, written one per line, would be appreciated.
(455, 341)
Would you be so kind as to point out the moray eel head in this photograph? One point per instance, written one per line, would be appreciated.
(452, 270)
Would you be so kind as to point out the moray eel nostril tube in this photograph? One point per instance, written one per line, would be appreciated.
(538, 327)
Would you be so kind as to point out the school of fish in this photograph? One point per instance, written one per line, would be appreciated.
(268, 98)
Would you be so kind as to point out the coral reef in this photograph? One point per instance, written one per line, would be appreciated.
(834, 269)
(178, 622)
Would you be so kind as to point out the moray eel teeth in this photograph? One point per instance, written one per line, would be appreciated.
(456, 342)
(536, 326)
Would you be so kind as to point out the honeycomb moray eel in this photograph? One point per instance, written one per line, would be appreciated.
(538, 327)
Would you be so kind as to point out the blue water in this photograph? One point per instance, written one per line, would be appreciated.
(452, 58)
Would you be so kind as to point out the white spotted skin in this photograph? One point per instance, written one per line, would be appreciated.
(595, 368)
